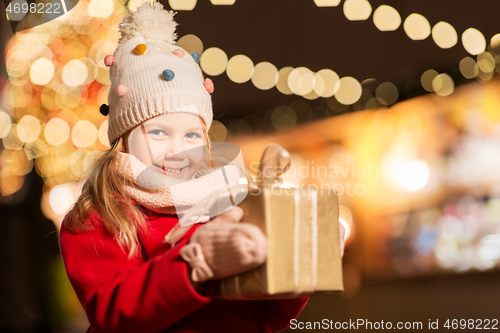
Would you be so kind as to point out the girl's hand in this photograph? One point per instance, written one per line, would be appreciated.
(227, 246)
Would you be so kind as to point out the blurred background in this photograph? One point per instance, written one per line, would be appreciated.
(394, 104)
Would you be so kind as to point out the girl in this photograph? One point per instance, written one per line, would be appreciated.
(125, 276)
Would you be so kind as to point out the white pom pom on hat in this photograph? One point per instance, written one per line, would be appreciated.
(150, 75)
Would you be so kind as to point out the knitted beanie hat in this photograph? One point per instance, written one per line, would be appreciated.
(150, 75)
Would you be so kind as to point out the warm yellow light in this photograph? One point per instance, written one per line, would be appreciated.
(265, 75)
(182, 4)
(417, 27)
(240, 68)
(100, 8)
(444, 35)
(301, 81)
(217, 132)
(473, 41)
(31, 126)
(61, 199)
(350, 90)
(103, 133)
(5, 124)
(357, 10)
(16, 63)
(414, 175)
(486, 62)
(426, 79)
(84, 134)
(386, 18)
(42, 71)
(213, 61)
(495, 41)
(387, 93)
(134, 4)
(56, 132)
(330, 83)
(74, 73)
(443, 85)
(191, 43)
(327, 3)
(282, 84)
(222, 2)
(468, 68)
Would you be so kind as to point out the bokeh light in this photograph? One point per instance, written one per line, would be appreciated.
(417, 27)
(42, 71)
(56, 132)
(426, 79)
(283, 118)
(486, 62)
(84, 134)
(350, 91)
(414, 175)
(74, 73)
(357, 10)
(495, 41)
(223, 2)
(217, 132)
(327, 3)
(443, 85)
(301, 81)
(330, 83)
(473, 41)
(387, 93)
(182, 4)
(468, 68)
(191, 43)
(100, 8)
(240, 68)
(386, 18)
(31, 126)
(213, 61)
(103, 133)
(265, 76)
(282, 84)
(444, 35)
(61, 199)
(5, 123)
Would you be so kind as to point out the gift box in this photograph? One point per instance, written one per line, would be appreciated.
(304, 257)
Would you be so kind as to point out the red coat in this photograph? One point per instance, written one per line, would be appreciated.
(153, 293)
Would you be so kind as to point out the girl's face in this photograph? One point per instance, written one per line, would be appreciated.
(176, 144)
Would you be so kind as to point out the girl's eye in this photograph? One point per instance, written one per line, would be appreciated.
(193, 135)
(158, 132)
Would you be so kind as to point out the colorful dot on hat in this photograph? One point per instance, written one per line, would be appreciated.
(179, 52)
(168, 74)
(196, 56)
(140, 49)
(104, 110)
(209, 85)
(121, 90)
(109, 60)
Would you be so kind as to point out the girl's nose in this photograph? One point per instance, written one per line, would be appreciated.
(175, 151)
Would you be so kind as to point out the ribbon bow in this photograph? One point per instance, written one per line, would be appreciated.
(193, 255)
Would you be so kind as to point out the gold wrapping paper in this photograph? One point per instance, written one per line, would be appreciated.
(303, 245)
